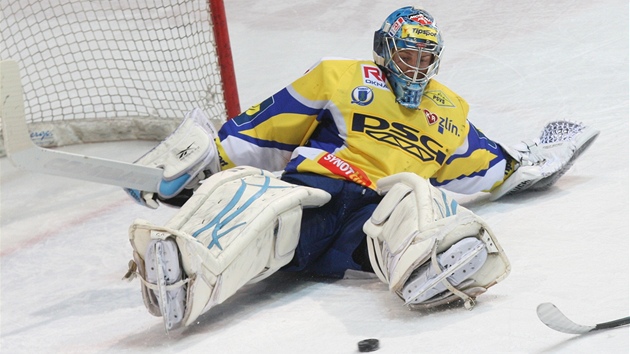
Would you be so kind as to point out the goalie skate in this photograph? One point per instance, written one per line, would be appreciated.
(460, 262)
(163, 269)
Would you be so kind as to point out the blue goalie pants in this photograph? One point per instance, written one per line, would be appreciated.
(331, 236)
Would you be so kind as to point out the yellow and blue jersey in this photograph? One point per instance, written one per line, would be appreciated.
(340, 120)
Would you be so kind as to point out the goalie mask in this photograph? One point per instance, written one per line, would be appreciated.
(408, 47)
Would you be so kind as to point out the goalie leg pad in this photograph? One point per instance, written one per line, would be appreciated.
(413, 225)
(239, 227)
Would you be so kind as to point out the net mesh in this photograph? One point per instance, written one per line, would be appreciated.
(111, 70)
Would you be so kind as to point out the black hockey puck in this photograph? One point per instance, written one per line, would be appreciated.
(368, 345)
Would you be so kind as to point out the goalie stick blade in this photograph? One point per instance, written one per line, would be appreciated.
(24, 154)
(551, 316)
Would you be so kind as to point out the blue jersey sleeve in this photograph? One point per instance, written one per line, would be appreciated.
(479, 164)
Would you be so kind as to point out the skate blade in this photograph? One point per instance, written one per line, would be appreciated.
(164, 300)
(161, 286)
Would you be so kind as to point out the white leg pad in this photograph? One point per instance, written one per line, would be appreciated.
(414, 223)
(239, 227)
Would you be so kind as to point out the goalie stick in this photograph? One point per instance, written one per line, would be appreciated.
(551, 316)
(23, 153)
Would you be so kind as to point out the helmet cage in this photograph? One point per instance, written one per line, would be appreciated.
(412, 72)
(398, 49)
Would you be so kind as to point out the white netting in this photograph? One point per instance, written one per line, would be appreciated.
(111, 70)
(560, 131)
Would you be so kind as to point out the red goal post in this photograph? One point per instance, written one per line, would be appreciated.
(224, 54)
(96, 71)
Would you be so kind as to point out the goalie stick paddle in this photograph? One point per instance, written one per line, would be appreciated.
(24, 154)
(551, 316)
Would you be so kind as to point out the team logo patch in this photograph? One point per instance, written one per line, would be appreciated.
(439, 98)
(362, 95)
(373, 76)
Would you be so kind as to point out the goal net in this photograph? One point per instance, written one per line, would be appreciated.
(102, 70)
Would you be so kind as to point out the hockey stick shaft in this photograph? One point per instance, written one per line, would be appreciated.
(612, 324)
(24, 154)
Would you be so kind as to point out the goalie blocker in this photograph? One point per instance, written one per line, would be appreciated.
(187, 157)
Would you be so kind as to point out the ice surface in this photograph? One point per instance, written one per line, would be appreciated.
(519, 64)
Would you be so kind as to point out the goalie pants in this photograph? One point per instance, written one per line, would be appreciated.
(331, 236)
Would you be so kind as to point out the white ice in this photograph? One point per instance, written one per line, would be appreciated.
(519, 64)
